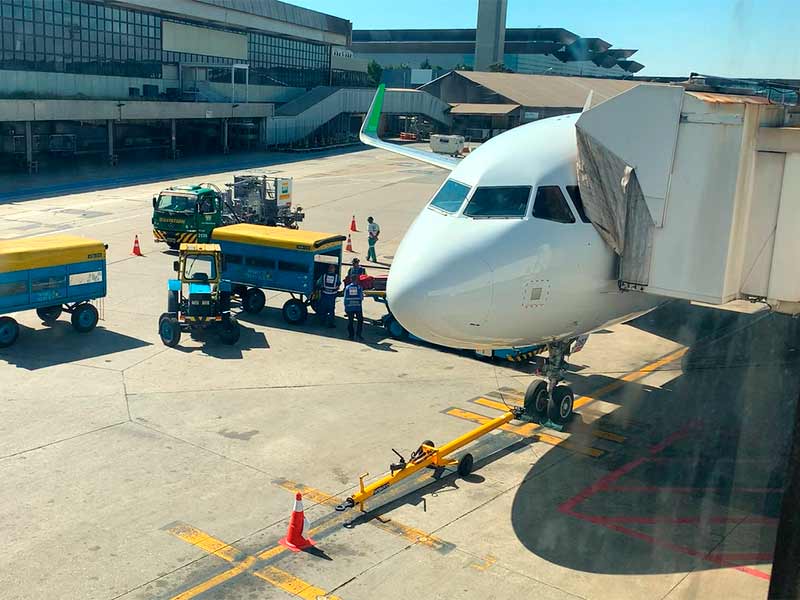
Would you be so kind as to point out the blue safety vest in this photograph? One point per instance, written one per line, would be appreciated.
(330, 283)
(353, 296)
(354, 272)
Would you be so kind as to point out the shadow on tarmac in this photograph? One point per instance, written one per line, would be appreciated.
(249, 339)
(699, 481)
(61, 344)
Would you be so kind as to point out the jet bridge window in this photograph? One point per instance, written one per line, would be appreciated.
(450, 196)
(499, 202)
(575, 193)
(551, 205)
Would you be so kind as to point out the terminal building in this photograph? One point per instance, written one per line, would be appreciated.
(117, 77)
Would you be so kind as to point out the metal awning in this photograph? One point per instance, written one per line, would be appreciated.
(483, 109)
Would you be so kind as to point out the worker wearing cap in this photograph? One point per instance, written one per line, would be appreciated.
(356, 270)
(328, 286)
(353, 301)
(373, 230)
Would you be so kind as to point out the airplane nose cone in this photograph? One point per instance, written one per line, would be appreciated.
(442, 297)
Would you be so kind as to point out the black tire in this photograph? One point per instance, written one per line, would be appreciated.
(395, 329)
(169, 330)
(84, 318)
(9, 331)
(229, 331)
(536, 399)
(465, 465)
(561, 407)
(253, 301)
(172, 302)
(294, 312)
(49, 314)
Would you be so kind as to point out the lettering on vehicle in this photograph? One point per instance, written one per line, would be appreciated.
(379, 489)
(303, 247)
(166, 220)
(95, 256)
(84, 278)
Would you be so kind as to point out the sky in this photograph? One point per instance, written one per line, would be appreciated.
(729, 38)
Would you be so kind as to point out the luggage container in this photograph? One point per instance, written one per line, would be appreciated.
(257, 257)
(447, 144)
(51, 274)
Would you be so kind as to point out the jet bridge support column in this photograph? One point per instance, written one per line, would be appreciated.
(112, 158)
(173, 138)
(225, 147)
(32, 166)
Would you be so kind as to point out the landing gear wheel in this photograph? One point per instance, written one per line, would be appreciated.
(229, 331)
(49, 314)
(536, 399)
(253, 301)
(561, 406)
(294, 312)
(84, 318)
(169, 330)
(9, 331)
(465, 465)
(395, 329)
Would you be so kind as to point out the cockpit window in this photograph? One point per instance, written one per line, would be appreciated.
(450, 196)
(575, 193)
(551, 205)
(499, 202)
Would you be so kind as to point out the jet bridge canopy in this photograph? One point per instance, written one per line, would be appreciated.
(698, 193)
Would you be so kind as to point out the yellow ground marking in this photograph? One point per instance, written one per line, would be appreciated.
(390, 525)
(229, 553)
(528, 430)
(633, 376)
(291, 584)
(606, 435)
(487, 563)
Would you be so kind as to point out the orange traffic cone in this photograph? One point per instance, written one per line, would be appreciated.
(353, 226)
(349, 247)
(137, 251)
(294, 539)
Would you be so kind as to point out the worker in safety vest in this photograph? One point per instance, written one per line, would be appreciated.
(353, 299)
(328, 285)
(373, 230)
(356, 270)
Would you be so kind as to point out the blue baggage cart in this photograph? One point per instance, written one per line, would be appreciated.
(52, 274)
(258, 257)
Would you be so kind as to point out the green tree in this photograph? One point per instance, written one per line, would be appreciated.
(462, 67)
(375, 71)
(425, 64)
(499, 68)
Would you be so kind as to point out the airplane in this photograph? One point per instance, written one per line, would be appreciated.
(504, 255)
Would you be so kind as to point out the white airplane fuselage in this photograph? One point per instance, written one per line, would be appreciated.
(491, 283)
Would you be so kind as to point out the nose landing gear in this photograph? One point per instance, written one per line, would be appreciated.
(550, 400)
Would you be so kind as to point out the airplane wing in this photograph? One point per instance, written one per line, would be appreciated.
(369, 136)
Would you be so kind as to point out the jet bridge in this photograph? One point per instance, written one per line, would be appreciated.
(698, 193)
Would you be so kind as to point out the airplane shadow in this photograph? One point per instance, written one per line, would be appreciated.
(61, 344)
(698, 482)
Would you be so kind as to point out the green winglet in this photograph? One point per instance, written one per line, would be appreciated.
(374, 116)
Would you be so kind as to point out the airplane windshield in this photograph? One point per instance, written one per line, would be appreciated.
(450, 196)
(499, 202)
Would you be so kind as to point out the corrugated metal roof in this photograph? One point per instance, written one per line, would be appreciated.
(548, 91)
(714, 98)
(288, 13)
(483, 109)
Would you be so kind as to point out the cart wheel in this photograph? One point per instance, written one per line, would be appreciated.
(295, 312)
(536, 399)
(395, 329)
(253, 301)
(169, 330)
(561, 408)
(84, 318)
(229, 331)
(49, 314)
(9, 331)
(465, 465)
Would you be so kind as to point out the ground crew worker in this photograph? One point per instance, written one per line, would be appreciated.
(374, 230)
(356, 270)
(353, 301)
(328, 286)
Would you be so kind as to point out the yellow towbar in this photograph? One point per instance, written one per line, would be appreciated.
(427, 455)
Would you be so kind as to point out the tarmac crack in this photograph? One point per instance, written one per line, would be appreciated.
(66, 439)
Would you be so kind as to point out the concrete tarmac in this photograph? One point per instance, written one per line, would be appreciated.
(132, 470)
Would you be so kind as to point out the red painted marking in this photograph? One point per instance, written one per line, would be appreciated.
(612, 523)
(645, 489)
